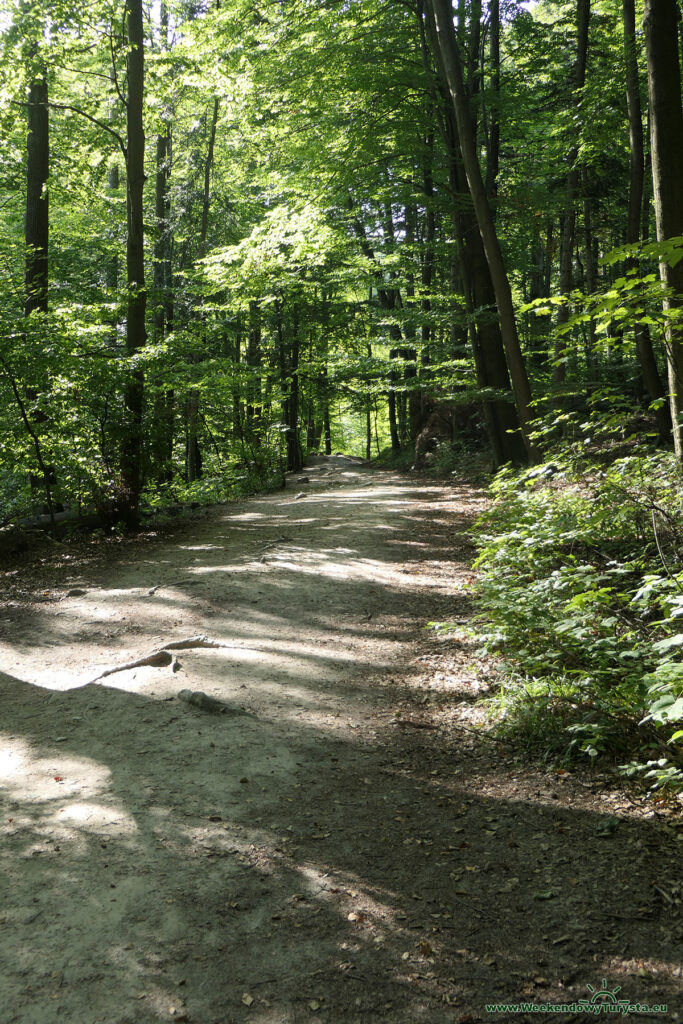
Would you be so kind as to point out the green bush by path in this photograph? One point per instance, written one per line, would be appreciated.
(581, 590)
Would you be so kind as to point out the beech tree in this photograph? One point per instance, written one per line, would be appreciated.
(666, 126)
(136, 331)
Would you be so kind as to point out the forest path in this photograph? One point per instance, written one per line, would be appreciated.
(351, 851)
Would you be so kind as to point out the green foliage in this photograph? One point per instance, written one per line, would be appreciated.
(582, 587)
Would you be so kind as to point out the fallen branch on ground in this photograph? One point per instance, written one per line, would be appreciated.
(163, 656)
(158, 659)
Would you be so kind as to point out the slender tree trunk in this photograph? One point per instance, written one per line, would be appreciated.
(36, 233)
(590, 274)
(646, 356)
(413, 425)
(493, 140)
(666, 138)
(427, 274)
(253, 360)
(164, 412)
(37, 224)
(368, 419)
(444, 38)
(500, 416)
(193, 460)
(136, 336)
(327, 428)
(237, 427)
(112, 272)
(569, 220)
(208, 166)
(293, 447)
(163, 304)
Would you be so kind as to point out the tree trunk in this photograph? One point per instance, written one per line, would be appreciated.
(193, 462)
(444, 39)
(493, 140)
(646, 356)
(163, 285)
(293, 448)
(208, 165)
(253, 360)
(666, 145)
(391, 405)
(500, 416)
(502, 423)
(327, 428)
(412, 423)
(131, 455)
(368, 419)
(569, 220)
(590, 275)
(427, 275)
(36, 233)
(37, 204)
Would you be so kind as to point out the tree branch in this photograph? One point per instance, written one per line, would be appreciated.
(94, 120)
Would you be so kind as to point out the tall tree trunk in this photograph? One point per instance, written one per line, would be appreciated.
(590, 275)
(36, 233)
(443, 36)
(502, 423)
(646, 356)
(493, 139)
(412, 426)
(131, 455)
(293, 447)
(37, 224)
(569, 219)
(163, 304)
(253, 361)
(391, 405)
(666, 145)
(427, 274)
(327, 427)
(193, 459)
(368, 412)
(208, 166)
(163, 282)
(113, 184)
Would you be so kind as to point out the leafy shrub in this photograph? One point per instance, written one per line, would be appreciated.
(582, 589)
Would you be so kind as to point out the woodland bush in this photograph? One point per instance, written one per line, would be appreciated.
(582, 594)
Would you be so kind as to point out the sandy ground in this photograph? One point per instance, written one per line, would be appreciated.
(352, 849)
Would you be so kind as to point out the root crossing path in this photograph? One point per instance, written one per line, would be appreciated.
(346, 846)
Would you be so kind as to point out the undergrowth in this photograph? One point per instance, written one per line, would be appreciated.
(581, 592)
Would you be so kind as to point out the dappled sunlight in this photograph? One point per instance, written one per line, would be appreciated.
(313, 851)
(263, 589)
(63, 798)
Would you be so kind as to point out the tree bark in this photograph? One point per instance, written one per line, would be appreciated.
(666, 145)
(193, 460)
(164, 412)
(37, 225)
(569, 220)
(136, 335)
(646, 356)
(36, 234)
(444, 39)
(493, 139)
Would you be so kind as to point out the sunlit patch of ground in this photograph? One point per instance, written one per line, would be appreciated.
(353, 849)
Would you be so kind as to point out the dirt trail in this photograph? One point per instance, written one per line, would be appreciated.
(350, 851)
